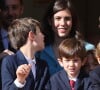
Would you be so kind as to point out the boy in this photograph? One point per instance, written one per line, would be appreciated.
(95, 74)
(97, 52)
(23, 71)
(72, 55)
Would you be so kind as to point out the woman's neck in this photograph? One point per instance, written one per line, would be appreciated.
(56, 44)
(58, 40)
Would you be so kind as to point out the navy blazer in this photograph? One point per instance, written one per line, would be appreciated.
(60, 81)
(95, 78)
(9, 67)
(1, 50)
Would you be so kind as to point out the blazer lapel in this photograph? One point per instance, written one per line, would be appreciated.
(79, 85)
(65, 80)
(22, 59)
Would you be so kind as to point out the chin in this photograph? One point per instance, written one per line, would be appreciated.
(41, 48)
(62, 35)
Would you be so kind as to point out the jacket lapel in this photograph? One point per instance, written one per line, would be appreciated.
(65, 80)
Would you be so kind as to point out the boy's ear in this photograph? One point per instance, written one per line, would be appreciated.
(31, 35)
(60, 62)
(84, 61)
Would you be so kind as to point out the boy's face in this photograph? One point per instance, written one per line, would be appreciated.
(72, 66)
(39, 40)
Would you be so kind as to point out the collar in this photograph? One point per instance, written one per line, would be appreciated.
(30, 60)
(75, 78)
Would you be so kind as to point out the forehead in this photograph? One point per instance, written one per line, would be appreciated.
(12, 2)
(65, 12)
(71, 58)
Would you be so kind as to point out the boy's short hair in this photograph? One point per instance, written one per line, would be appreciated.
(72, 47)
(19, 29)
(97, 51)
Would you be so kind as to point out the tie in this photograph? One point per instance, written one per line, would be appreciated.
(72, 84)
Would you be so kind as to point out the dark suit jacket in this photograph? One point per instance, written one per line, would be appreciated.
(1, 50)
(60, 81)
(95, 78)
(9, 66)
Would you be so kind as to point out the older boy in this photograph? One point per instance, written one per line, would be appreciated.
(72, 55)
(23, 71)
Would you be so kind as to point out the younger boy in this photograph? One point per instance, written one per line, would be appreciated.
(23, 71)
(97, 52)
(95, 74)
(72, 55)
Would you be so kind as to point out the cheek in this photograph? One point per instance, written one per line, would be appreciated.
(79, 65)
(64, 64)
(69, 23)
(54, 24)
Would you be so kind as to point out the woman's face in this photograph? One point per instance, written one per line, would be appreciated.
(62, 23)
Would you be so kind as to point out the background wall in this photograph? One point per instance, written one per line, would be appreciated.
(88, 11)
(33, 9)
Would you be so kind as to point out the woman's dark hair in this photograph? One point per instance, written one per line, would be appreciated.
(54, 7)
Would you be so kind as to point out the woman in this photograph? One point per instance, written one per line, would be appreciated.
(60, 21)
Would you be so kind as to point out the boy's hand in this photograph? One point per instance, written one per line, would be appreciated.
(22, 72)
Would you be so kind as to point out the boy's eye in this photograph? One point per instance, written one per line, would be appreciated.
(67, 60)
(76, 60)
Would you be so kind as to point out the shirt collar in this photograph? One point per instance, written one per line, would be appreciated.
(31, 60)
(75, 78)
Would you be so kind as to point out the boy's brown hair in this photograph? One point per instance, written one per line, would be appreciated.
(97, 51)
(19, 29)
(72, 47)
